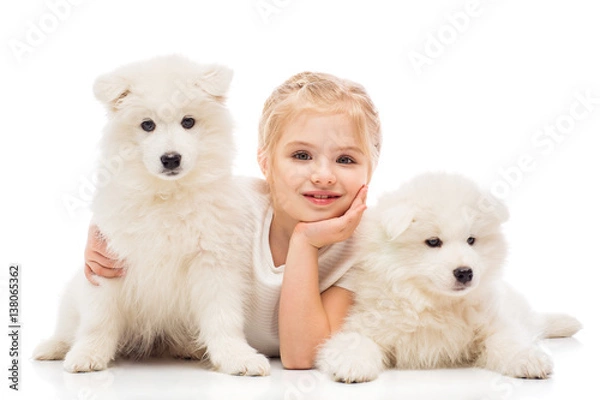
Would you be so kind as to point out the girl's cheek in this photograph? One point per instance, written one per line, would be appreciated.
(358, 176)
(297, 173)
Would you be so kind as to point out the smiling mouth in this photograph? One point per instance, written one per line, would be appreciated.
(321, 199)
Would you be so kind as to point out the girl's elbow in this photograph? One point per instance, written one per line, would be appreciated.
(297, 362)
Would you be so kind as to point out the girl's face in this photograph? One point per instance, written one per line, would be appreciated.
(317, 168)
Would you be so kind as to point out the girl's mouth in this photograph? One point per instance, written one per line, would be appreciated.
(321, 199)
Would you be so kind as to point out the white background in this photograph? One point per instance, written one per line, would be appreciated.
(497, 73)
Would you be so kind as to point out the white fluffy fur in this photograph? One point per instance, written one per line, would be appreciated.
(187, 263)
(411, 312)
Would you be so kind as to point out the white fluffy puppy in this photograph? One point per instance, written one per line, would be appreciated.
(166, 203)
(429, 292)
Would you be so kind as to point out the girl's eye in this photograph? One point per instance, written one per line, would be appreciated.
(345, 160)
(188, 122)
(148, 125)
(471, 241)
(433, 242)
(301, 155)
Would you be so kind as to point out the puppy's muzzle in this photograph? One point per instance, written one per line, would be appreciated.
(171, 161)
(463, 275)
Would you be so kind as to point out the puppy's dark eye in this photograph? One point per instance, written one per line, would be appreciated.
(433, 242)
(188, 122)
(148, 125)
(471, 241)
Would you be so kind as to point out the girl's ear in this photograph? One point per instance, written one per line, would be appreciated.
(261, 156)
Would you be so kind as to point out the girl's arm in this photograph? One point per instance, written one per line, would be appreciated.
(307, 317)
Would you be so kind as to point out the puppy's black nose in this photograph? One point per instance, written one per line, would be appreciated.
(463, 274)
(170, 160)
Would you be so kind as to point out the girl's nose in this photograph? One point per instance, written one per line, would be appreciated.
(323, 175)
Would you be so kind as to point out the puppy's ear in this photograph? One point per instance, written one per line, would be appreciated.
(214, 79)
(112, 90)
(396, 220)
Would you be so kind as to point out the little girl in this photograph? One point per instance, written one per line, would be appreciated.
(319, 142)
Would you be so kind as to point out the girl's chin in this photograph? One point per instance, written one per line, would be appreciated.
(318, 216)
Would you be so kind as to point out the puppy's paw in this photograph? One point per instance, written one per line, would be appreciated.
(245, 361)
(51, 349)
(532, 363)
(350, 358)
(78, 360)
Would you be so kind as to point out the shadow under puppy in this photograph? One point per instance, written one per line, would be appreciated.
(169, 208)
(429, 291)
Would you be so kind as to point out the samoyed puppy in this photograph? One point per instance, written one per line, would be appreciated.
(429, 292)
(167, 205)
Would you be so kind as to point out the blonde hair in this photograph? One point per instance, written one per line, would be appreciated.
(323, 94)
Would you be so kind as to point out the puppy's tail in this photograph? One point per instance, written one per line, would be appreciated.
(556, 325)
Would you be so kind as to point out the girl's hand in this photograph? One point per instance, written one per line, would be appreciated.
(98, 261)
(329, 231)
